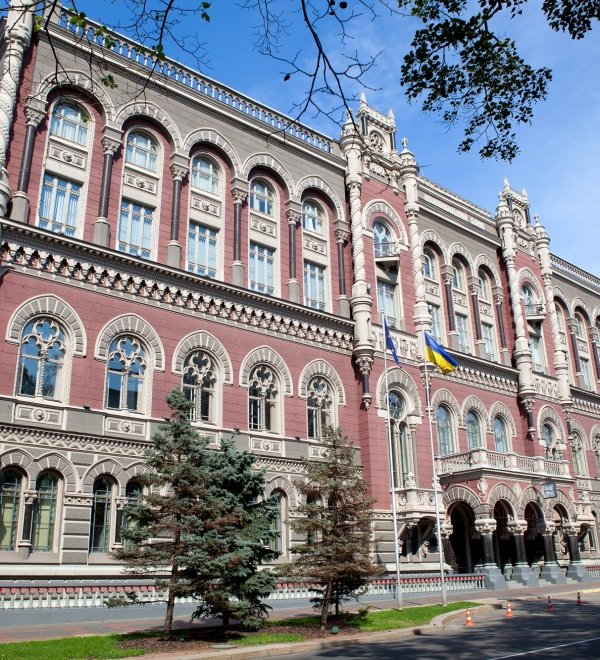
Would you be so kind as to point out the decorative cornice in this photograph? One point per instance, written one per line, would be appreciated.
(87, 266)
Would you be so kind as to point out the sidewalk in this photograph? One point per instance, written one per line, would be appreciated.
(11, 630)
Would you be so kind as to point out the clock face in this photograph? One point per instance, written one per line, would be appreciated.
(549, 489)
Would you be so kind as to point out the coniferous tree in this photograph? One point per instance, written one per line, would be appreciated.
(336, 522)
(202, 518)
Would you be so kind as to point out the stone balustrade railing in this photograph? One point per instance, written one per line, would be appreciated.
(509, 462)
(97, 595)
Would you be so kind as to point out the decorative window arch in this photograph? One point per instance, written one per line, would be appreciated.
(551, 432)
(11, 489)
(199, 383)
(205, 174)
(207, 342)
(578, 452)
(399, 380)
(135, 325)
(499, 409)
(126, 374)
(430, 264)
(458, 275)
(324, 369)
(263, 399)
(384, 241)
(320, 411)
(266, 355)
(402, 454)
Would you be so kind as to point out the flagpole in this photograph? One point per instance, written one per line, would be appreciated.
(435, 481)
(391, 459)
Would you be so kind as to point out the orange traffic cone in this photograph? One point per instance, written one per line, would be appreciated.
(550, 607)
(469, 621)
(509, 614)
(578, 603)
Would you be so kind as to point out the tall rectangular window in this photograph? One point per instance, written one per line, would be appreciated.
(314, 285)
(58, 205)
(535, 344)
(462, 326)
(262, 275)
(386, 301)
(487, 333)
(202, 250)
(434, 314)
(586, 373)
(135, 229)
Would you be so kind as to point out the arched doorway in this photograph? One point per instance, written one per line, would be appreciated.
(462, 552)
(504, 542)
(560, 518)
(534, 543)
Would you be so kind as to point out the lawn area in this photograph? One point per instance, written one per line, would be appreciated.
(97, 647)
(286, 631)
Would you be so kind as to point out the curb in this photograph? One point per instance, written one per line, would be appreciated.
(295, 648)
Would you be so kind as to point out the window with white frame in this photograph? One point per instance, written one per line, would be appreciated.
(386, 302)
(500, 435)
(262, 399)
(202, 250)
(314, 285)
(141, 150)
(133, 495)
(101, 519)
(401, 465)
(458, 275)
(434, 315)
(473, 423)
(445, 431)
(41, 359)
(43, 522)
(580, 327)
(205, 175)
(487, 334)
(537, 349)
(199, 377)
(135, 235)
(59, 205)
(69, 122)
(313, 217)
(261, 197)
(318, 406)
(383, 241)
(429, 264)
(125, 374)
(11, 486)
(262, 271)
(462, 327)
(485, 289)
(586, 373)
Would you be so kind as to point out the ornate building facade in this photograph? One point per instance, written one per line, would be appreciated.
(189, 236)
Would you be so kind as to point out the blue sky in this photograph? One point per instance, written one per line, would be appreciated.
(559, 164)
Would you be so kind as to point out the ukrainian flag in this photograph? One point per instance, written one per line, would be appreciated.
(436, 354)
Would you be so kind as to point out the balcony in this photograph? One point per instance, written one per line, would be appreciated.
(482, 460)
(385, 250)
(535, 311)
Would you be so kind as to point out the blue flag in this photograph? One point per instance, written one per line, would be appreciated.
(389, 342)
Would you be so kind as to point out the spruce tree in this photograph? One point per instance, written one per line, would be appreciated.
(336, 521)
(203, 519)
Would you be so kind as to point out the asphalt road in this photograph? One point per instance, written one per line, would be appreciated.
(568, 632)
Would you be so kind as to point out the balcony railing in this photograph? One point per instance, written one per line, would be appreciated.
(478, 459)
(534, 310)
(385, 249)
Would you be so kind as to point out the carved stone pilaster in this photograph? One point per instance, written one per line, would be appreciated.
(34, 116)
(110, 145)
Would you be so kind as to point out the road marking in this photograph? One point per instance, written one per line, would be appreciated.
(546, 648)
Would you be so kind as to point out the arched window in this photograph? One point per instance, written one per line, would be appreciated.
(205, 175)
(428, 261)
(69, 122)
(580, 327)
(277, 532)
(125, 374)
(261, 197)
(44, 513)
(10, 500)
(262, 395)
(141, 151)
(318, 406)
(133, 493)
(485, 288)
(458, 275)
(500, 435)
(199, 385)
(383, 241)
(577, 449)
(313, 217)
(473, 430)
(445, 431)
(101, 516)
(401, 465)
(41, 359)
(549, 440)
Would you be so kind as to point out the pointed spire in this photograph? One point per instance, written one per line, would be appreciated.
(506, 184)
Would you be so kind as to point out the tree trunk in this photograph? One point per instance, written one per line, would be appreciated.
(325, 606)
(225, 619)
(170, 604)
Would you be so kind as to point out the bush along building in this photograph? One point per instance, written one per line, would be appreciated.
(170, 232)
